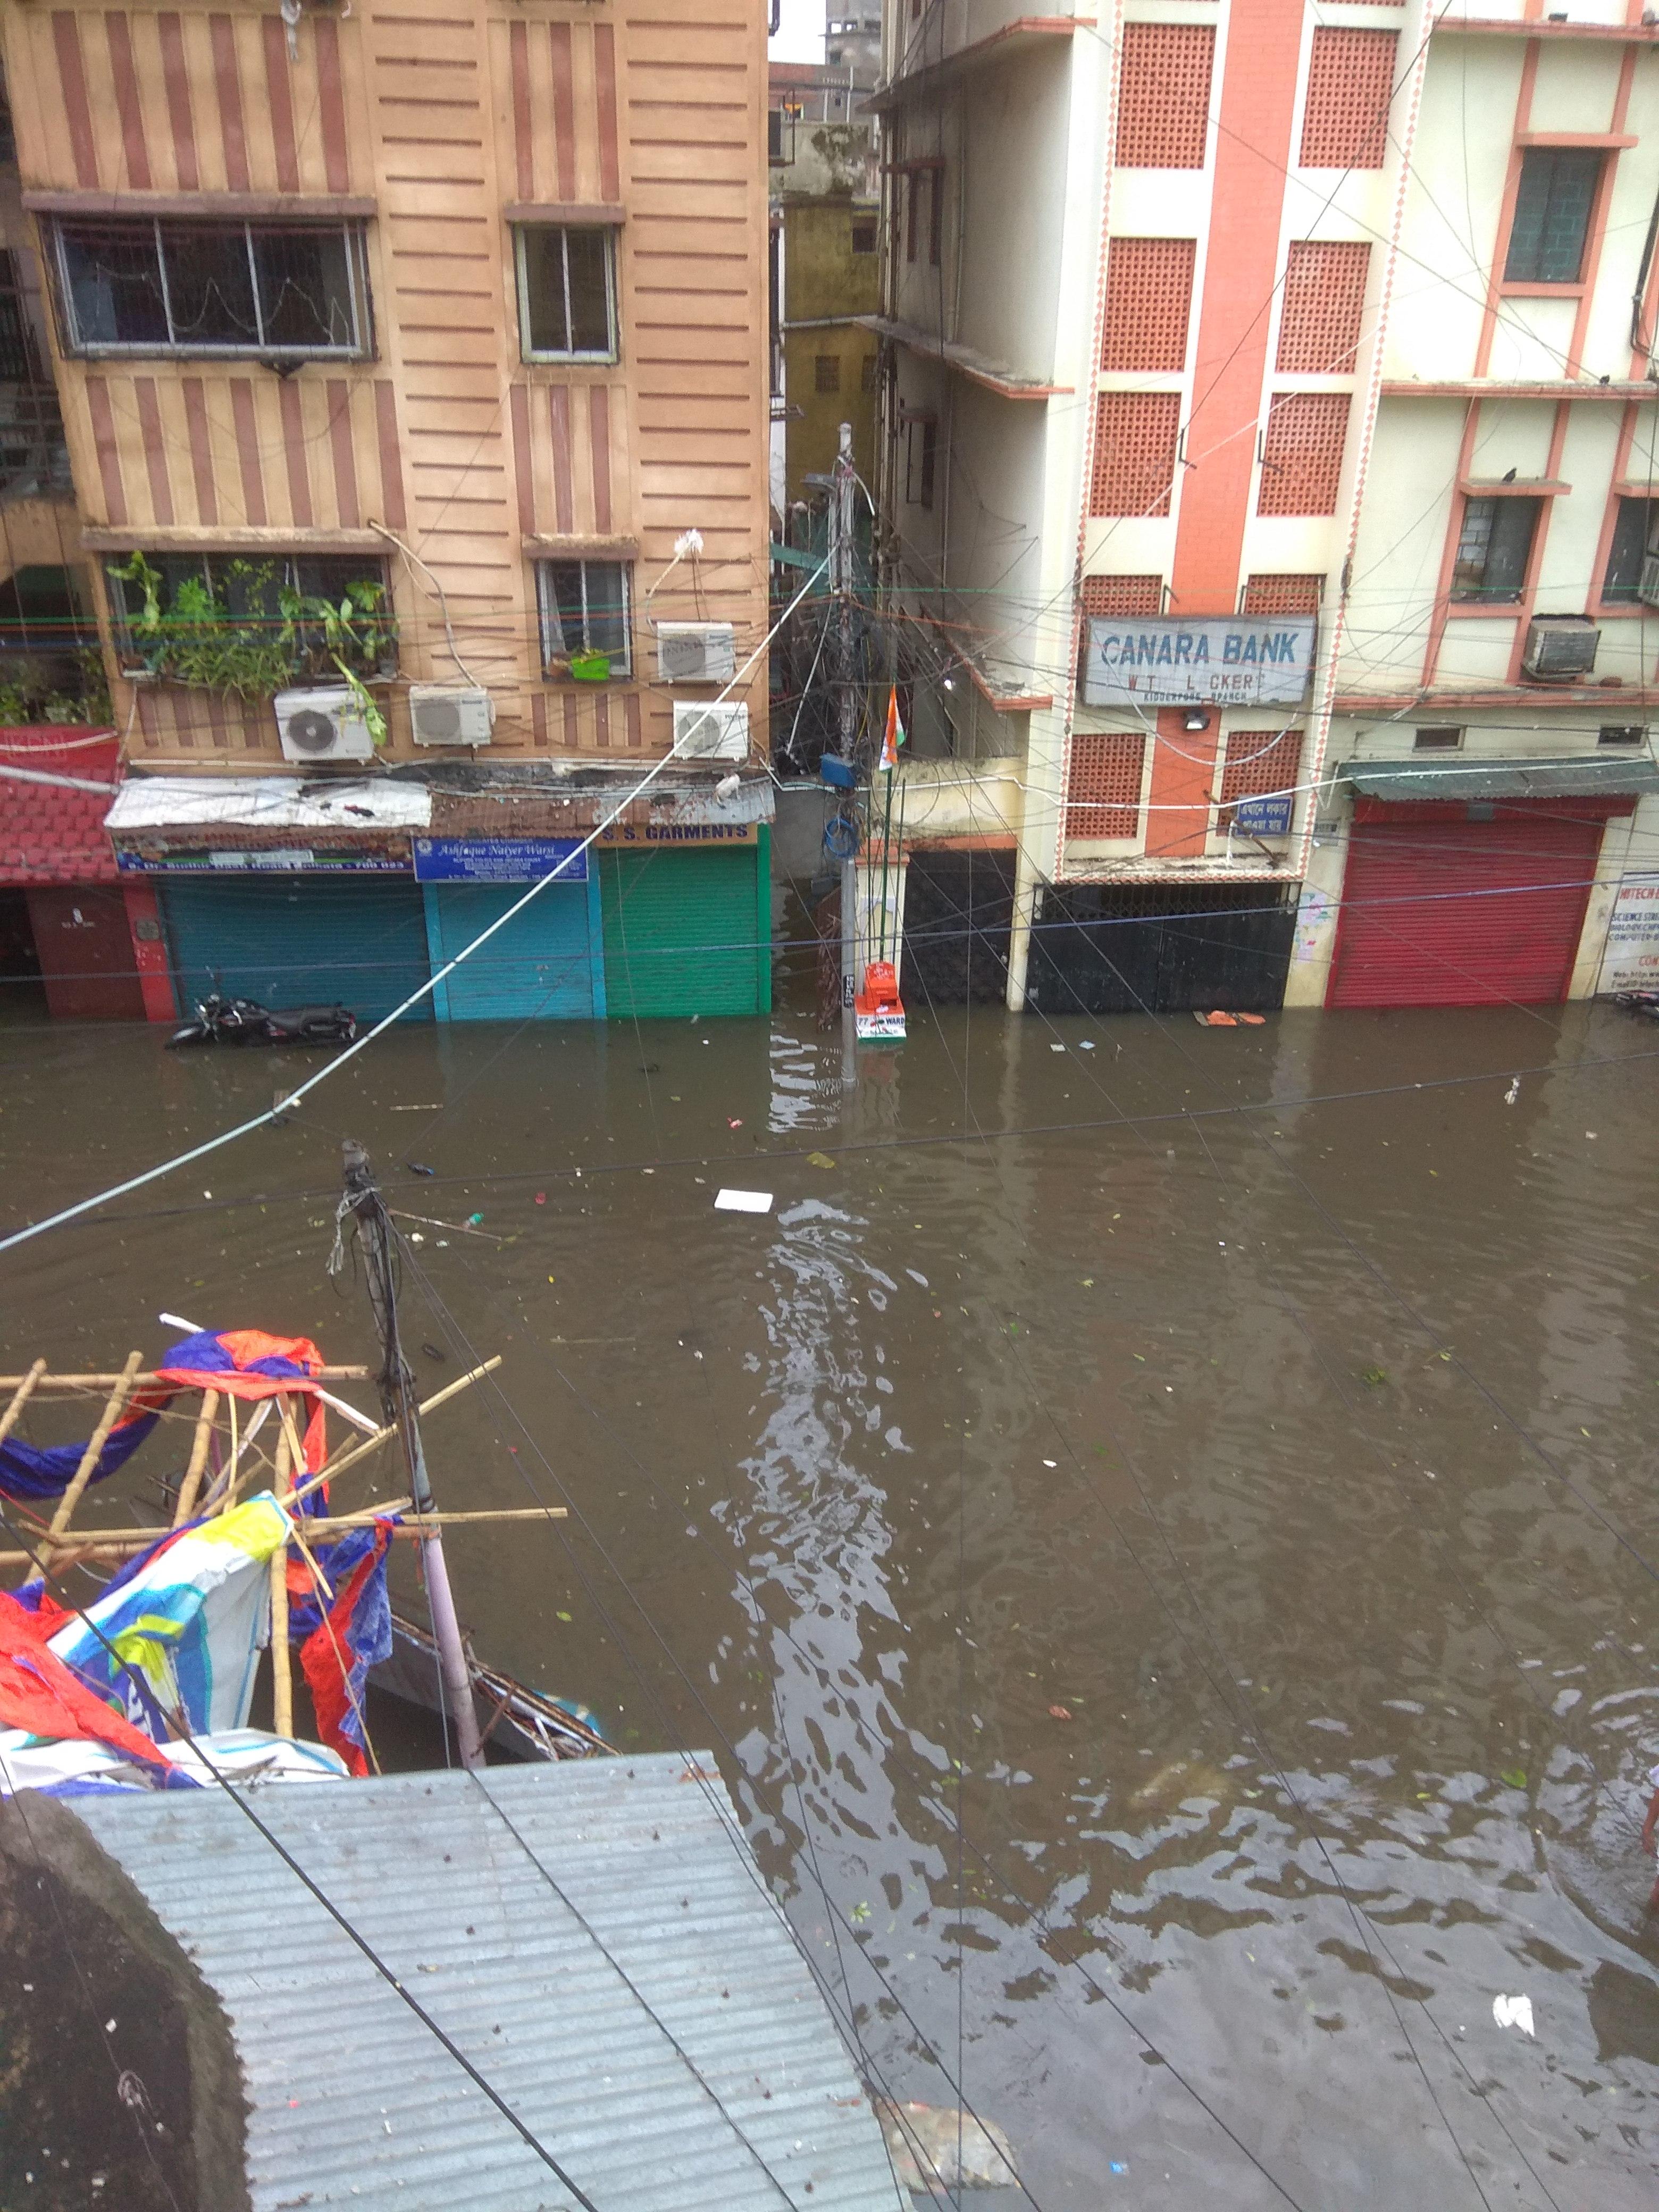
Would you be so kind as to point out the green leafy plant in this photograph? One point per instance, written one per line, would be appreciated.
(256, 632)
(66, 687)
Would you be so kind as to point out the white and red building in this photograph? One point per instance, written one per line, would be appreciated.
(1269, 451)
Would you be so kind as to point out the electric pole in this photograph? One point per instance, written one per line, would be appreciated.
(366, 1207)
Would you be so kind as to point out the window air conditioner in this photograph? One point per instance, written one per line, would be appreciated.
(710, 732)
(1560, 647)
(322, 725)
(451, 713)
(695, 653)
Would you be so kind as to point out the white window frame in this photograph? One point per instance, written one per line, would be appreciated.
(360, 348)
(548, 611)
(521, 232)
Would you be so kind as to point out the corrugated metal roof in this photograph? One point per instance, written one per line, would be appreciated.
(1582, 776)
(54, 833)
(266, 802)
(354, 2102)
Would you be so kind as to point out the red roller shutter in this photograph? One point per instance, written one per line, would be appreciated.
(1441, 910)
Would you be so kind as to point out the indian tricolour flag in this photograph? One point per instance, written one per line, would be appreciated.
(895, 733)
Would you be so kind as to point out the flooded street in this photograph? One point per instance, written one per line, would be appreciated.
(1170, 1587)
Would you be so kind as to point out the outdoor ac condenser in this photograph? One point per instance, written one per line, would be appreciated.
(1560, 647)
(695, 653)
(322, 725)
(710, 732)
(451, 713)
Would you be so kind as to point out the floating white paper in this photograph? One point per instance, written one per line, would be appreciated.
(1513, 2012)
(743, 1201)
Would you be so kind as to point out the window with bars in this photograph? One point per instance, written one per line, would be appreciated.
(1135, 439)
(1104, 793)
(1494, 547)
(1344, 118)
(1149, 301)
(1438, 738)
(1302, 453)
(1163, 96)
(921, 458)
(567, 292)
(870, 373)
(1122, 595)
(276, 290)
(826, 372)
(1259, 762)
(248, 621)
(1553, 202)
(1633, 529)
(1324, 307)
(584, 608)
(1274, 594)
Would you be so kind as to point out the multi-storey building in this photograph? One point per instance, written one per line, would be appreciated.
(1269, 436)
(412, 368)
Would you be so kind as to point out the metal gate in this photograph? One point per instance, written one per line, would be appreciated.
(1480, 905)
(687, 933)
(1159, 948)
(287, 941)
(540, 967)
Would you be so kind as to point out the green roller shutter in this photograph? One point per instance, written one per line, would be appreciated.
(685, 933)
(294, 941)
(540, 967)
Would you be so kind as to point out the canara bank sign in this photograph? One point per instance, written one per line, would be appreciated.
(1165, 661)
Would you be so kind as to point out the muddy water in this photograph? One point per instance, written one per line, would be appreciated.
(1170, 1589)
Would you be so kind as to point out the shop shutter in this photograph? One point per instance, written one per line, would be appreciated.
(294, 941)
(683, 932)
(538, 967)
(1462, 913)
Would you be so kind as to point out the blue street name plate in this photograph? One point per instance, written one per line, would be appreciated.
(498, 860)
(1256, 818)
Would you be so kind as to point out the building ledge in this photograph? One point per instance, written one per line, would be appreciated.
(295, 207)
(1023, 35)
(994, 376)
(225, 537)
(1492, 388)
(1582, 776)
(1633, 698)
(1516, 27)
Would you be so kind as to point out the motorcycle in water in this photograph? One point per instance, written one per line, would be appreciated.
(244, 1021)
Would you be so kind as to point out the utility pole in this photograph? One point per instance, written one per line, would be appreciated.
(841, 585)
(366, 1207)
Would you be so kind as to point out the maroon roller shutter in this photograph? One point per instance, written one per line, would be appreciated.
(1439, 912)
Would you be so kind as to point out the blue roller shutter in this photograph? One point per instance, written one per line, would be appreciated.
(292, 940)
(538, 967)
(685, 933)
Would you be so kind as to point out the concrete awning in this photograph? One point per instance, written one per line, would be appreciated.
(1584, 775)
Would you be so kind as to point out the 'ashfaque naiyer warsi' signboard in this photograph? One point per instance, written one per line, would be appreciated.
(1165, 660)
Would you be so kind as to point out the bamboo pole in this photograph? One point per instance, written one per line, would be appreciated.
(296, 1450)
(198, 1455)
(24, 1392)
(95, 1442)
(89, 1544)
(349, 1457)
(143, 1381)
(282, 1692)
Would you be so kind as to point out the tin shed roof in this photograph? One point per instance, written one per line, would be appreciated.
(55, 790)
(1580, 776)
(716, 2080)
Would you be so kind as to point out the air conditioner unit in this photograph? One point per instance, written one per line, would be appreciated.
(710, 732)
(695, 653)
(451, 713)
(322, 725)
(1560, 647)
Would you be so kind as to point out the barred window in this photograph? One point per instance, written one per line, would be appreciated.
(1302, 453)
(567, 292)
(1344, 120)
(1164, 99)
(826, 372)
(1553, 206)
(1104, 793)
(276, 290)
(1494, 547)
(1324, 307)
(216, 619)
(585, 607)
(1634, 530)
(1136, 435)
(1149, 301)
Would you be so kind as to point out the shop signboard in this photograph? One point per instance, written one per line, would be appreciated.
(285, 860)
(499, 860)
(635, 836)
(1629, 959)
(1174, 660)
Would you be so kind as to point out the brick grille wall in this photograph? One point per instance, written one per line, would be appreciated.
(1302, 453)
(1269, 594)
(1136, 435)
(1123, 595)
(1324, 306)
(1350, 77)
(1149, 301)
(1164, 102)
(1258, 761)
(1105, 786)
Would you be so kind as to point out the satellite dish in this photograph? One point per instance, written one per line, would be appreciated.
(311, 731)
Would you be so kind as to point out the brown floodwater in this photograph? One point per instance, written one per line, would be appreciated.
(1168, 1587)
